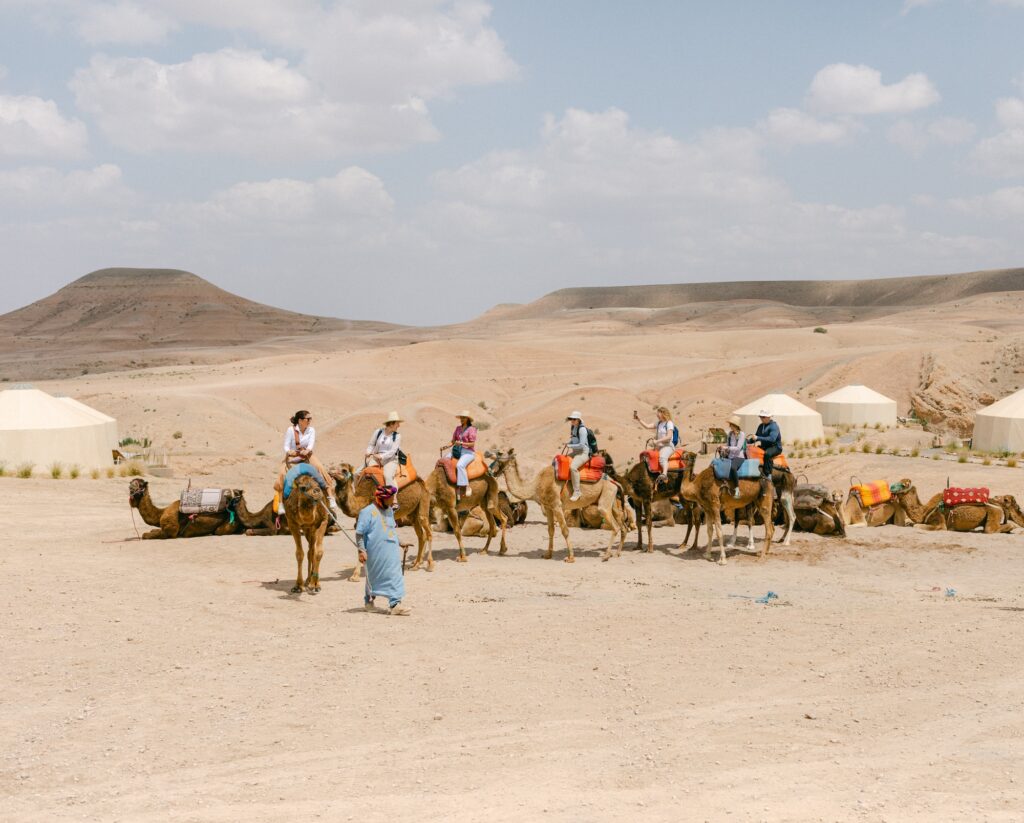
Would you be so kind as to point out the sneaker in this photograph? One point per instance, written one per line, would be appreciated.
(369, 607)
(662, 479)
(280, 508)
(576, 495)
(333, 504)
(736, 492)
(398, 610)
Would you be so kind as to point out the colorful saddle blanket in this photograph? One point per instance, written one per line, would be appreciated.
(590, 472)
(204, 501)
(676, 463)
(958, 497)
(757, 453)
(478, 468)
(872, 494)
(403, 477)
(296, 471)
(750, 469)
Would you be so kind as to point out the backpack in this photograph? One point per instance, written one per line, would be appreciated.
(403, 458)
(675, 435)
(591, 440)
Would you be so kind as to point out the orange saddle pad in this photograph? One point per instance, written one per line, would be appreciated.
(757, 453)
(478, 468)
(652, 458)
(873, 494)
(403, 477)
(590, 472)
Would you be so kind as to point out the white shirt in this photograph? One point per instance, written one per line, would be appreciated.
(664, 433)
(306, 439)
(384, 445)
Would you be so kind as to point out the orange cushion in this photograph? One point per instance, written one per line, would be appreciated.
(757, 453)
(403, 477)
(652, 458)
(872, 494)
(590, 472)
(478, 468)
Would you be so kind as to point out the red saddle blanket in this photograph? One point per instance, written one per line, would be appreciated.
(652, 458)
(478, 468)
(757, 453)
(403, 477)
(955, 497)
(590, 472)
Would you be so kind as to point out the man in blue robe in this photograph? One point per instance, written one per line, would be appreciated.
(381, 551)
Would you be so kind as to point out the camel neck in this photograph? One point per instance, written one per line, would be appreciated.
(517, 487)
(149, 511)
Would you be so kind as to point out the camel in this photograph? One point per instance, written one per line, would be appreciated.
(653, 504)
(967, 517)
(553, 497)
(264, 523)
(857, 514)
(474, 522)
(824, 519)
(483, 493)
(905, 495)
(307, 512)
(171, 523)
(590, 517)
(353, 495)
(707, 490)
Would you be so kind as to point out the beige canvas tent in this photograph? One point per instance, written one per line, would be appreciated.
(109, 423)
(796, 421)
(1000, 427)
(857, 406)
(38, 428)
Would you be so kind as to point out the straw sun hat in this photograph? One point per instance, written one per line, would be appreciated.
(393, 417)
(464, 413)
(734, 421)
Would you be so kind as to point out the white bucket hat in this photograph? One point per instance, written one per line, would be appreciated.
(574, 415)
(393, 417)
(764, 413)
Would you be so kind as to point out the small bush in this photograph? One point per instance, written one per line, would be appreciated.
(74, 471)
(820, 330)
(261, 454)
(1011, 462)
(3, 468)
(482, 405)
(829, 441)
(879, 450)
(483, 426)
(177, 435)
(987, 461)
(56, 470)
(936, 457)
(878, 427)
(111, 471)
(962, 458)
(132, 469)
(25, 469)
(94, 474)
(866, 448)
(915, 452)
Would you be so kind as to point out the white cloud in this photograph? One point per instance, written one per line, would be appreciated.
(795, 127)
(1002, 155)
(1010, 112)
(33, 127)
(916, 137)
(846, 89)
(123, 22)
(43, 186)
(1002, 204)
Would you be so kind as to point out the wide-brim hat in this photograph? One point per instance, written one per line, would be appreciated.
(393, 417)
(764, 413)
(574, 415)
(734, 421)
(464, 413)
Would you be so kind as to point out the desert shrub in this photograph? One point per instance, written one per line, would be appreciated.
(94, 474)
(1011, 462)
(3, 468)
(935, 457)
(111, 471)
(820, 330)
(866, 448)
(25, 469)
(177, 435)
(261, 453)
(915, 452)
(482, 405)
(132, 469)
(987, 461)
(483, 425)
(829, 441)
(878, 426)
(879, 450)
(962, 458)
(74, 471)
(56, 470)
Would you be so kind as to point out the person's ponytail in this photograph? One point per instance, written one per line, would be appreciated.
(299, 415)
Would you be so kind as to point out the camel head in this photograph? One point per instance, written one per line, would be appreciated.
(136, 491)
(309, 498)
(903, 487)
(500, 460)
(1011, 509)
(342, 475)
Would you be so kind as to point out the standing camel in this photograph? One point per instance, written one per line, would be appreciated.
(639, 485)
(553, 497)
(354, 494)
(171, 523)
(483, 492)
(307, 517)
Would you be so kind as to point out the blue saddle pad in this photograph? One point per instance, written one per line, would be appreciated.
(750, 470)
(297, 471)
(721, 466)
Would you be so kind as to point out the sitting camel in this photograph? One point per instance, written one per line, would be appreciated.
(355, 493)
(171, 523)
(905, 494)
(264, 523)
(475, 522)
(857, 514)
(999, 516)
(483, 493)
(553, 497)
(307, 512)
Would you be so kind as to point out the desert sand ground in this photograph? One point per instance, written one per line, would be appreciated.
(179, 680)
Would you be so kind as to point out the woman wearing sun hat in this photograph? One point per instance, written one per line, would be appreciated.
(735, 449)
(463, 449)
(383, 448)
(579, 446)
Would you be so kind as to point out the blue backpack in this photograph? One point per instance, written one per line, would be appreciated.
(675, 435)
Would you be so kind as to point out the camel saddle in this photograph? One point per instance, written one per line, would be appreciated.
(954, 496)
(810, 495)
(757, 453)
(590, 472)
(403, 477)
(204, 501)
(749, 469)
(676, 463)
(478, 468)
(872, 494)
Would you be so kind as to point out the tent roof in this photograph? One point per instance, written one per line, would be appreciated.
(78, 404)
(26, 408)
(778, 405)
(855, 394)
(1010, 406)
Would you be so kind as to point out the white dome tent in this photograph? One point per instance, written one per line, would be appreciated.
(109, 423)
(796, 421)
(40, 429)
(857, 406)
(1000, 427)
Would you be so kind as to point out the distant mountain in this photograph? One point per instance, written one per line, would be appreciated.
(140, 309)
(876, 294)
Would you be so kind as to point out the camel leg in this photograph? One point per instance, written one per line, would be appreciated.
(550, 515)
(769, 531)
(560, 515)
(790, 510)
(310, 563)
(155, 534)
(609, 521)
(649, 517)
(297, 588)
(453, 517)
(318, 554)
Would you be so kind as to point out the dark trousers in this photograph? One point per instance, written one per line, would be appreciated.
(733, 477)
(769, 454)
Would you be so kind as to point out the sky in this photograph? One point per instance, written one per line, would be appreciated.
(419, 161)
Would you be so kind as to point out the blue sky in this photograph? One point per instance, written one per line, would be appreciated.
(419, 160)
